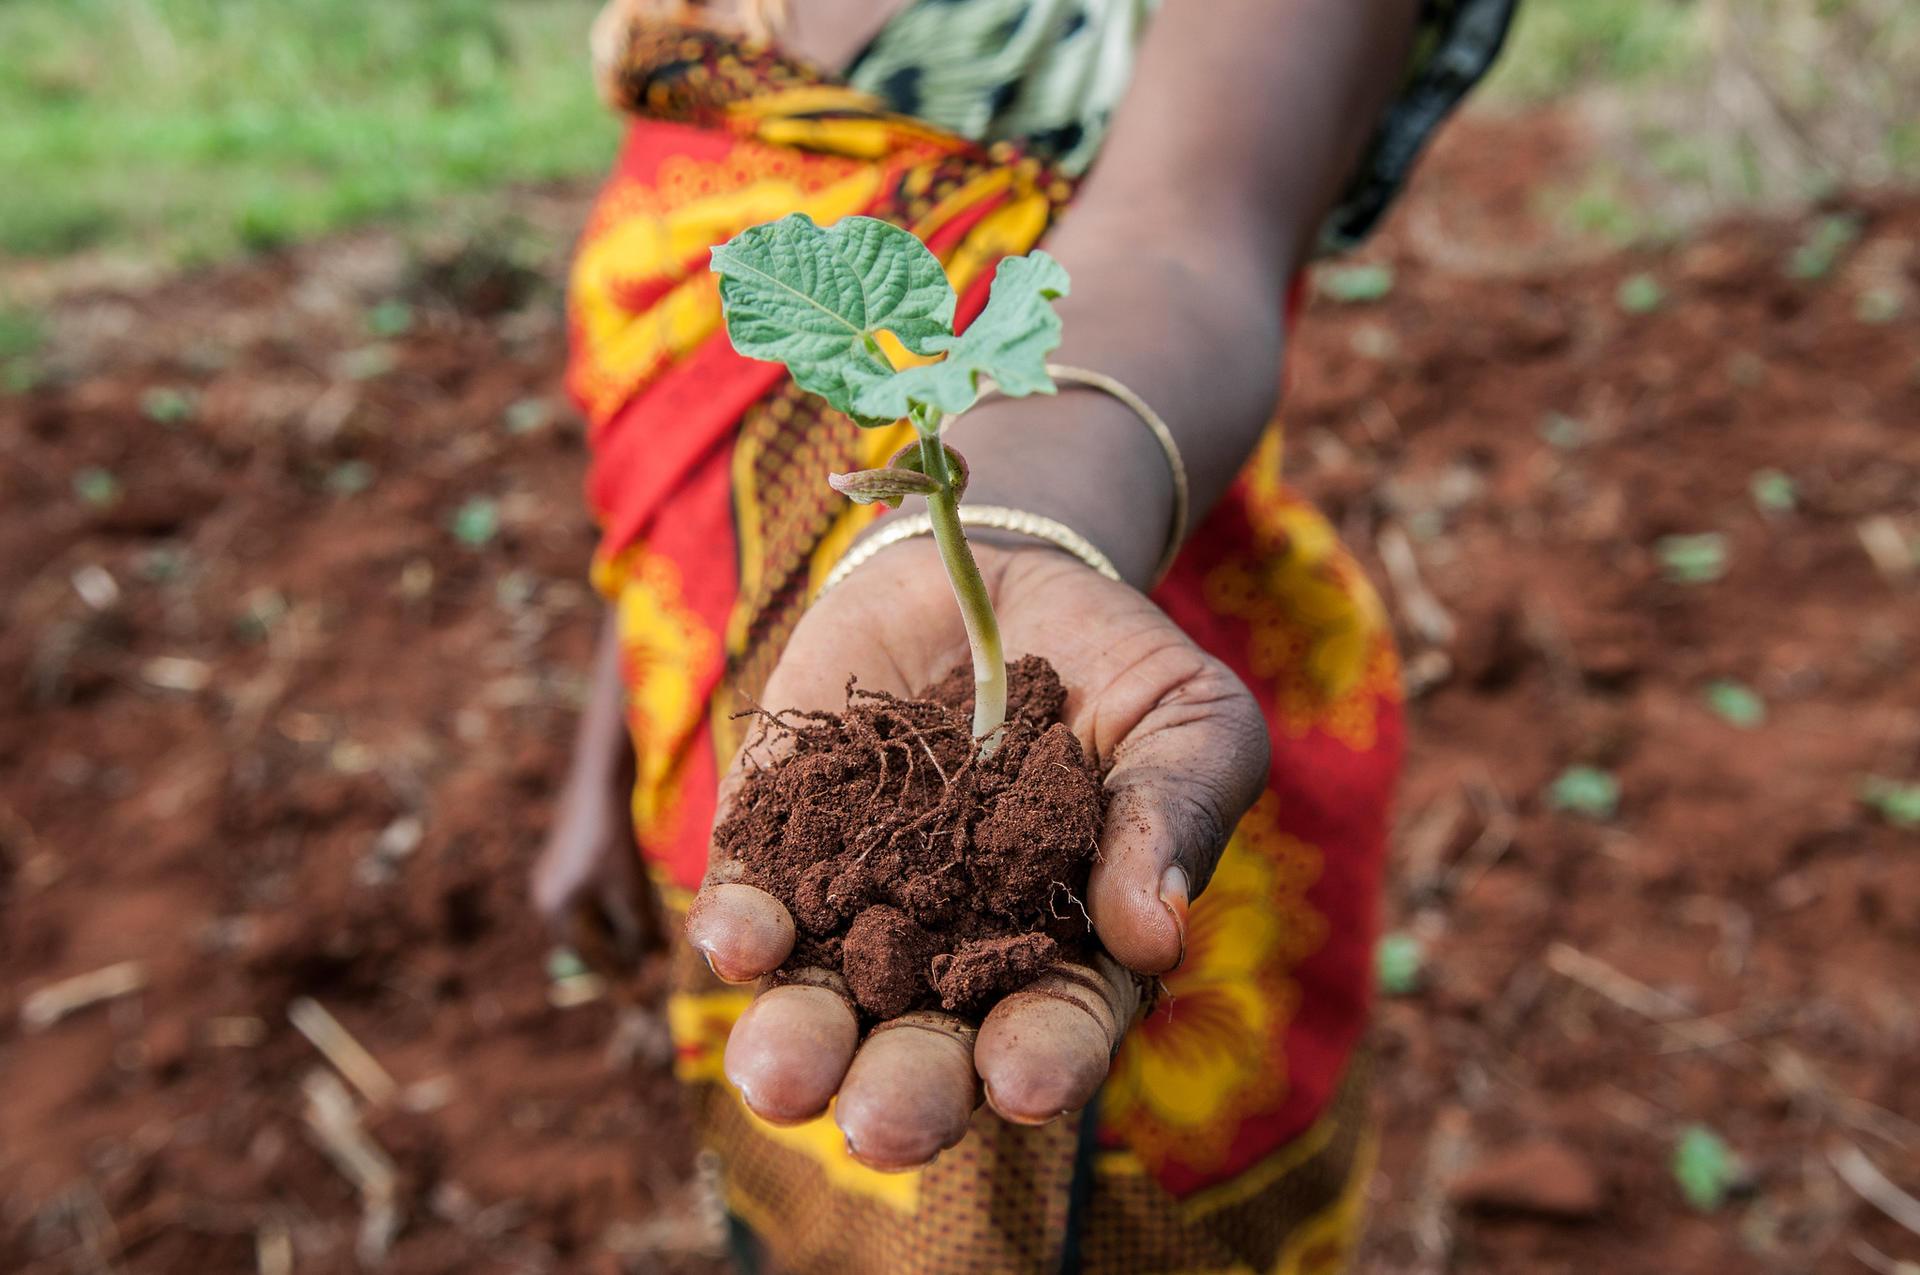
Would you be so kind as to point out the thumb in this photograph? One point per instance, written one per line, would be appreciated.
(1180, 782)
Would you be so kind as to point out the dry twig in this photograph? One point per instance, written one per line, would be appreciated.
(335, 1125)
(56, 1001)
(1864, 1178)
(348, 1056)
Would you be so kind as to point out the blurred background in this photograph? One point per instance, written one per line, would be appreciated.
(1622, 409)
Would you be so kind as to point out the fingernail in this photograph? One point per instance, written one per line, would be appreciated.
(722, 975)
(1173, 894)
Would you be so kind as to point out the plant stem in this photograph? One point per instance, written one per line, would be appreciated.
(969, 590)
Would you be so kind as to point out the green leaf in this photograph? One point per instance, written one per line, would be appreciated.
(1705, 1167)
(526, 415)
(96, 487)
(1878, 305)
(1399, 963)
(1897, 803)
(366, 363)
(1563, 432)
(1736, 704)
(390, 317)
(815, 300)
(350, 478)
(564, 963)
(1009, 343)
(1823, 247)
(1641, 294)
(167, 405)
(1700, 559)
(1585, 790)
(1355, 285)
(1773, 491)
(477, 522)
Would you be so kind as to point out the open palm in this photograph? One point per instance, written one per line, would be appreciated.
(1189, 754)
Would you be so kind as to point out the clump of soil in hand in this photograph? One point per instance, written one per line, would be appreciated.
(923, 873)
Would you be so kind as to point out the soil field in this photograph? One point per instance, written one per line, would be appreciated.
(295, 629)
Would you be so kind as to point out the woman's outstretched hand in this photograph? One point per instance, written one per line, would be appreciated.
(1189, 753)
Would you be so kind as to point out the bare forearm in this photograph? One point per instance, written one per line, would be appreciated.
(1217, 174)
(602, 749)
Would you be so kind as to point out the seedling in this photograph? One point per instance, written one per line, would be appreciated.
(1705, 1167)
(1897, 803)
(97, 488)
(1823, 247)
(820, 300)
(1399, 964)
(1585, 790)
(392, 317)
(476, 522)
(1700, 559)
(1773, 491)
(1356, 285)
(1735, 704)
(167, 405)
(1641, 294)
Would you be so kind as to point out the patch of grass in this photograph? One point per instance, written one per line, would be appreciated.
(192, 128)
(1557, 46)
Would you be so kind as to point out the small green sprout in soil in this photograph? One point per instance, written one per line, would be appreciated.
(96, 488)
(260, 613)
(564, 963)
(1700, 559)
(476, 522)
(1773, 492)
(1706, 1168)
(1898, 803)
(818, 300)
(1735, 704)
(1640, 294)
(1825, 243)
(1563, 432)
(1879, 305)
(392, 317)
(366, 363)
(1355, 285)
(350, 478)
(528, 416)
(1585, 790)
(1399, 964)
(167, 404)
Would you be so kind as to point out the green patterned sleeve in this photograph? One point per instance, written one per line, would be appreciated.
(1456, 44)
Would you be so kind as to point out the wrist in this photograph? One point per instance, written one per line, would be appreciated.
(1080, 458)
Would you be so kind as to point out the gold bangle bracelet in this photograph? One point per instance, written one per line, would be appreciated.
(994, 517)
(1182, 494)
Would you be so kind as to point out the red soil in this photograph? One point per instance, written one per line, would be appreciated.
(302, 741)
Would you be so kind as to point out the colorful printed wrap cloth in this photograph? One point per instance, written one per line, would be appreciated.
(1231, 1134)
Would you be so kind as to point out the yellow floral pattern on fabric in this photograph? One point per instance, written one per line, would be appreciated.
(1319, 634)
(1189, 1073)
(652, 239)
(1324, 1244)
(664, 650)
